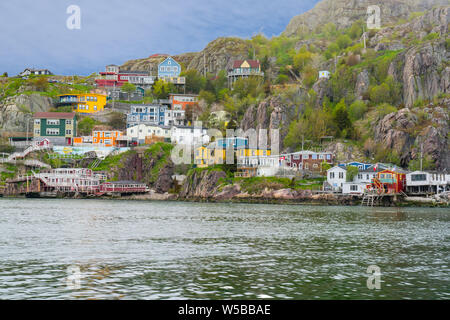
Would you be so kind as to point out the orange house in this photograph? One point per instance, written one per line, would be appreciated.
(181, 101)
(105, 138)
(390, 181)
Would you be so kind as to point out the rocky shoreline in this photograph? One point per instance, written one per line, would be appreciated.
(314, 200)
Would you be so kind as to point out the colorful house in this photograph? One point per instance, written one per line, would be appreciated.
(181, 101)
(150, 114)
(244, 69)
(58, 127)
(360, 165)
(308, 160)
(169, 68)
(216, 152)
(389, 181)
(324, 74)
(114, 77)
(105, 138)
(83, 102)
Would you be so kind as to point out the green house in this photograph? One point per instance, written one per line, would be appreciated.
(58, 127)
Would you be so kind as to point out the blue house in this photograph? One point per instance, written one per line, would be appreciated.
(150, 114)
(359, 165)
(169, 68)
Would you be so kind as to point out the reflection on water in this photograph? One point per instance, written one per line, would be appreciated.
(173, 250)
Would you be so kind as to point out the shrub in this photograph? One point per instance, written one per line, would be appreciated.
(343, 41)
(357, 110)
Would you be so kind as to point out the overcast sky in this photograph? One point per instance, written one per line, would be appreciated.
(33, 33)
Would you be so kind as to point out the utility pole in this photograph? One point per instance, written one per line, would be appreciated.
(421, 155)
(364, 37)
(204, 65)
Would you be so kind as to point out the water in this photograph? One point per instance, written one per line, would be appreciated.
(177, 250)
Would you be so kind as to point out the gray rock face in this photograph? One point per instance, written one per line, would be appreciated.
(362, 84)
(201, 184)
(423, 71)
(322, 88)
(219, 54)
(16, 111)
(403, 131)
(269, 114)
(344, 12)
(433, 21)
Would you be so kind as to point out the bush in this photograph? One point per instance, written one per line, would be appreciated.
(384, 109)
(357, 110)
(343, 41)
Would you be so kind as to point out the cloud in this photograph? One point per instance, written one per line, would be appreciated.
(34, 33)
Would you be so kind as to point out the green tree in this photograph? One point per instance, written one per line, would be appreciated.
(128, 88)
(302, 58)
(427, 163)
(343, 41)
(85, 126)
(117, 121)
(161, 89)
(356, 30)
(194, 81)
(208, 96)
(352, 171)
(380, 94)
(341, 118)
(357, 110)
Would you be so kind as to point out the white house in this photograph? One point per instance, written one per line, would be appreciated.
(353, 188)
(267, 166)
(366, 176)
(421, 182)
(29, 71)
(140, 131)
(189, 135)
(324, 74)
(336, 177)
(174, 117)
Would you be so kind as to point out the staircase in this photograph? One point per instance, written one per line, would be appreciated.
(95, 164)
(12, 157)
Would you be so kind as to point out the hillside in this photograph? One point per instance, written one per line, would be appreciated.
(344, 12)
(380, 103)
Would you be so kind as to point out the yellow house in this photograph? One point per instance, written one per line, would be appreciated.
(210, 155)
(83, 102)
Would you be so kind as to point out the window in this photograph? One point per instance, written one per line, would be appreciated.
(37, 131)
(296, 156)
(68, 122)
(418, 177)
(341, 175)
(37, 121)
(360, 176)
(68, 131)
(52, 131)
(331, 175)
(53, 122)
(353, 187)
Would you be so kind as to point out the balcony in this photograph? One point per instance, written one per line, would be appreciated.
(245, 73)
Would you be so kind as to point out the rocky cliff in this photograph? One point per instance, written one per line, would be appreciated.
(217, 55)
(15, 111)
(151, 165)
(405, 130)
(344, 12)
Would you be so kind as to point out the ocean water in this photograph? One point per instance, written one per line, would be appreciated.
(113, 249)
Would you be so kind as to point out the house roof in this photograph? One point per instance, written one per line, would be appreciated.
(54, 115)
(337, 167)
(252, 63)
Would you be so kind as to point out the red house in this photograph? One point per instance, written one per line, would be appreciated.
(390, 181)
(308, 160)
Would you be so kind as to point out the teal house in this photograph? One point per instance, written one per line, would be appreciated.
(58, 127)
